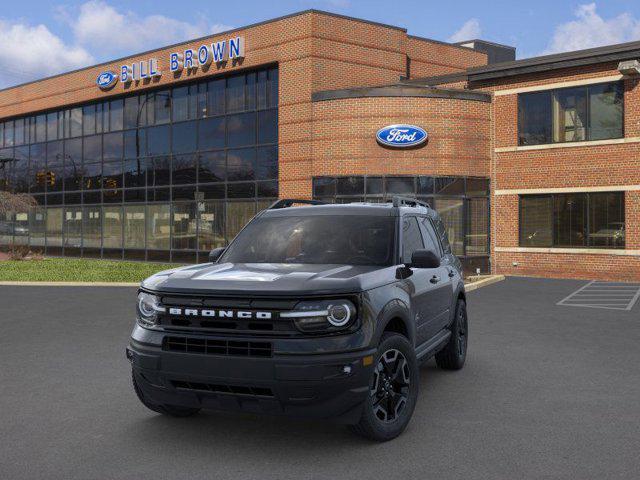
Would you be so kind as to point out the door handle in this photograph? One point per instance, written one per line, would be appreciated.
(435, 279)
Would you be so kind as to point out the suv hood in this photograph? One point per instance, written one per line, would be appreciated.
(270, 279)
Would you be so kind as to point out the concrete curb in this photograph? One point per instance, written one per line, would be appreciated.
(70, 284)
(484, 282)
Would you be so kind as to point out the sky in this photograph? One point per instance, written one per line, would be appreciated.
(39, 38)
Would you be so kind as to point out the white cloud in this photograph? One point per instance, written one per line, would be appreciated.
(469, 31)
(591, 30)
(107, 31)
(29, 52)
(97, 32)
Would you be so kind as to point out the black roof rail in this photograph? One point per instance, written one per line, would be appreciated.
(287, 202)
(409, 202)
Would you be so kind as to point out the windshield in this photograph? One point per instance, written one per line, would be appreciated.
(331, 239)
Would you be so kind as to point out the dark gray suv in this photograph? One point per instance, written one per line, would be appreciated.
(322, 311)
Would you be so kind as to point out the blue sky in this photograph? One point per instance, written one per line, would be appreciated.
(43, 37)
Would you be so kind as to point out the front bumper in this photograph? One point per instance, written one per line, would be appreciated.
(324, 386)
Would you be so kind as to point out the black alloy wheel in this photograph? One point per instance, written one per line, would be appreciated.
(391, 383)
(393, 390)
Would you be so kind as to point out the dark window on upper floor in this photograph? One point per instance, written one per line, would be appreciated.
(576, 114)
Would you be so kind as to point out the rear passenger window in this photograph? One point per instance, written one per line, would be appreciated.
(411, 238)
(429, 236)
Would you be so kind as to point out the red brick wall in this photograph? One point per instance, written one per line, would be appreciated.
(429, 58)
(564, 167)
(344, 140)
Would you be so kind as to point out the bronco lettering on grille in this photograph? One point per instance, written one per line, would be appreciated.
(193, 312)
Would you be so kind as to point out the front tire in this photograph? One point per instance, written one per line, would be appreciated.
(170, 410)
(393, 390)
(454, 354)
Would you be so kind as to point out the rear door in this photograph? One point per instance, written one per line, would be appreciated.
(442, 283)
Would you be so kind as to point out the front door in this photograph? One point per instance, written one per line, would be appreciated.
(423, 287)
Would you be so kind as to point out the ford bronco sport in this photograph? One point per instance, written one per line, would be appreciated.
(322, 311)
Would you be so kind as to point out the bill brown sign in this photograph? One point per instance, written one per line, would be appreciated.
(189, 59)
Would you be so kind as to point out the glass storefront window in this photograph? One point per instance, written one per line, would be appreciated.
(101, 168)
(162, 106)
(184, 226)
(158, 227)
(210, 225)
(241, 130)
(92, 227)
(112, 227)
(241, 164)
(237, 215)
(54, 227)
(116, 115)
(606, 220)
(212, 133)
(578, 220)
(21, 228)
(73, 227)
(184, 137)
(6, 229)
(134, 225)
(452, 213)
(37, 226)
(477, 231)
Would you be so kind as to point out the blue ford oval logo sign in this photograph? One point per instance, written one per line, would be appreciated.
(401, 136)
(106, 80)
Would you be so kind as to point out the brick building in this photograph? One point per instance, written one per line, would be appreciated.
(166, 154)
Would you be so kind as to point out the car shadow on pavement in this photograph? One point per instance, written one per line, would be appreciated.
(248, 431)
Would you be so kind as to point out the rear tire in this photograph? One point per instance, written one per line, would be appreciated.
(170, 410)
(454, 354)
(393, 390)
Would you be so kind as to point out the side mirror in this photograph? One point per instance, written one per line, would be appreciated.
(215, 254)
(425, 259)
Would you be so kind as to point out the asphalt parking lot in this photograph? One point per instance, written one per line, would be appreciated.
(548, 392)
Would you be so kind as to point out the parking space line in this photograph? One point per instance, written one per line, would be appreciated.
(596, 294)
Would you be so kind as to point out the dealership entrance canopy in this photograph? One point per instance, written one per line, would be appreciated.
(533, 164)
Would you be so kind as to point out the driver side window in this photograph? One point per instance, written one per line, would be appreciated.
(411, 238)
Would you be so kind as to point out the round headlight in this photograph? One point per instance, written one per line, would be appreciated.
(148, 308)
(322, 316)
(339, 315)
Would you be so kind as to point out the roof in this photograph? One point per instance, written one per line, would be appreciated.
(590, 56)
(404, 89)
(487, 42)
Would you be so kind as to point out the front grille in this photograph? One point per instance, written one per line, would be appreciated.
(274, 326)
(208, 346)
(229, 389)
